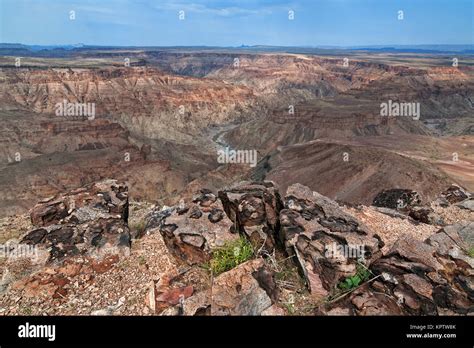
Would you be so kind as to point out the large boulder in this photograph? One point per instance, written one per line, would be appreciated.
(254, 209)
(192, 231)
(91, 220)
(327, 243)
(248, 289)
(467, 204)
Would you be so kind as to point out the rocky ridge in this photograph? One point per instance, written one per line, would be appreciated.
(310, 255)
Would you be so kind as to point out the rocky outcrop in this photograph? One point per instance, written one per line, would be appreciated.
(326, 242)
(401, 199)
(430, 278)
(345, 268)
(103, 199)
(254, 209)
(414, 278)
(455, 194)
(90, 220)
(248, 289)
(434, 277)
(191, 231)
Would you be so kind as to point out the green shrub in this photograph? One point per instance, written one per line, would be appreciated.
(138, 226)
(362, 275)
(230, 255)
(471, 252)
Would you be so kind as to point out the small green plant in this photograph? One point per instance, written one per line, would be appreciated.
(230, 255)
(26, 310)
(139, 227)
(141, 260)
(290, 308)
(362, 275)
(471, 252)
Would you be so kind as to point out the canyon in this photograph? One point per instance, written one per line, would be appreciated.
(320, 165)
(161, 113)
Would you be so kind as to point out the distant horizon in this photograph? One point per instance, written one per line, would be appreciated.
(231, 23)
(82, 45)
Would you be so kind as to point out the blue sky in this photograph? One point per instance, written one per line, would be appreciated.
(237, 22)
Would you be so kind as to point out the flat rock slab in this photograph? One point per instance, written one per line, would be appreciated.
(192, 231)
(243, 290)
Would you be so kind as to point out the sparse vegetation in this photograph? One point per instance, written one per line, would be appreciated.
(141, 260)
(26, 310)
(363, 274)
(290, 307)
(138, 226)
(231, 255)
(471, 252)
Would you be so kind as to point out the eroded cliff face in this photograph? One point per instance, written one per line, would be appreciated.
(147, 101)
(42, 155)
(160, 124)
(293, 79)
(148, 127)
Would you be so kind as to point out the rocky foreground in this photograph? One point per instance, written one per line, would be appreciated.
(244, 250)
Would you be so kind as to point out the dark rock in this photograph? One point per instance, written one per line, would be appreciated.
(327, 242)
(95, 222)
(205, 198)
(195, 212)
(254, 209)
(425, 215)
(182, 208)
(455, 194)
(399, 199)
(155, 218)
(35, 236)
(216, 215)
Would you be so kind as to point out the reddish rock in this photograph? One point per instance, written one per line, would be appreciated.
(327, 243)
(254, 209)
(241, 291)
(174, 296)
(190, 234)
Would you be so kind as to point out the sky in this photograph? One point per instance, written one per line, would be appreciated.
(237, 22)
